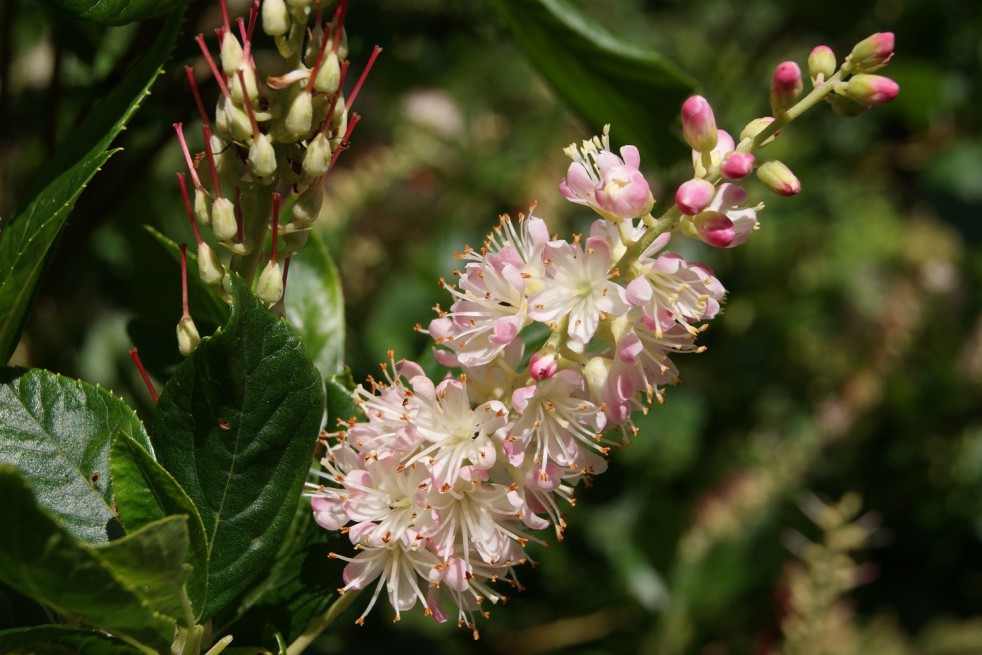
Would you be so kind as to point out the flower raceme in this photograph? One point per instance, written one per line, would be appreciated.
(443, 483)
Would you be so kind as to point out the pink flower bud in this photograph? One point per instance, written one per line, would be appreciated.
(821, 63)
(694, 196)
(624, 192)
(737, 165)
(778, 178)
(872, 89)
(699, 124)
(544, 364)
(872, 53)
(786, 86)
(714, 228)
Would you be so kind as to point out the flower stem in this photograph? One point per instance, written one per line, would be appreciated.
(321, 623)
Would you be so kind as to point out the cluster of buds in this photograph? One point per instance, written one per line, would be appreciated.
(272, 135)
(444, 482)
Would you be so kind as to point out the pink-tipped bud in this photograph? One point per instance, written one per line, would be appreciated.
(821, 63)
(699, 124)
(694, 196)
(756, 126)
(778, 178)
(872, 53)
(786, 86)
(714, 228)
(544, 364)
(737, 165)
(872, 89)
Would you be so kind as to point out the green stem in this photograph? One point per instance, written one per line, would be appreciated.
(665, 223)
(146, 650)
(321, 623)
(256, 226)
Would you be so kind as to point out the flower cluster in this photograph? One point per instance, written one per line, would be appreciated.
(272, 135)
(444, 482)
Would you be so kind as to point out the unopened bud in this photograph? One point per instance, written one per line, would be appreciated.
(308, 205)
(544, 364)
(210, 270)
(757, 126)
(298, 119)
(694, 196)
(872, 53)
(714, 228)
(318, 157)
(821, 63)
(262, 157)
(236, 120)
(251, 93)
(778, 178)
(297, 239)
(223, 222)
(231, 54)
(202, 207)
(699, 124)
(786, 86)
(872, 89)
(270, 286)
(844, 106)
(737, 165)
(187, 335)
(328, 74)
(299, 4)
(276, 17)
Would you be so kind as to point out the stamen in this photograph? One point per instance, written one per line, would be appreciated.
(179, 128)
(197, 96)
(211, 161)
(187, 207)
(146, 378)
(364, 74)
(219, 77)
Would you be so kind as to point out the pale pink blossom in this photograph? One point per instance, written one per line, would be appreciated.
(611, 185)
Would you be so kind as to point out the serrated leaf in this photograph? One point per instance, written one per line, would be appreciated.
(30, 233)
(145, 493)
(151, 562)
(315, 305)
(42, 560)
(60, 640)
(602, 78)
(57, 432)
(236, 426)
(113, 12)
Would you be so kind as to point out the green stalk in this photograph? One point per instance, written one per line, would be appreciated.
(321, 623)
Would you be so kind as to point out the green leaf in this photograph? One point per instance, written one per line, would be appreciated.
(300, 586)
(57, 432)
(60, 640)
(315, 305)
(40, 559)
(30, 233)
(236, 426)
(604, 80)
(151, 561)
(145, 493)
(114, 12)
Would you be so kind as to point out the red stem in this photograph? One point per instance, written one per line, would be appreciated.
(146, 378)
(248, 104)
(179, 128)
(334, 101)
(197, 96)
(184, 279)
(286, 271)
(219, 77)
(276, 224)
(187, 208)
(364, 74)
(211, 161)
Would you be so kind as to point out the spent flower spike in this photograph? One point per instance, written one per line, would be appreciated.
(444, 481)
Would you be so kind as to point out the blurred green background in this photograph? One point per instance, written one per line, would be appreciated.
(847, 364)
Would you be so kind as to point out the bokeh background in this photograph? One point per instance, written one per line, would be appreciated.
(813, 486)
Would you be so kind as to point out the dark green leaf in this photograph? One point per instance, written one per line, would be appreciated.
(599, 76)
(151, 562)
(299, 587)
(315, 306)
(40, 559)
(236, 426)
(30, 233)
(60, 640)
(114, 12)
(145, 493)
(57, 432)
